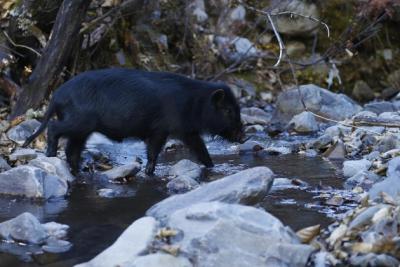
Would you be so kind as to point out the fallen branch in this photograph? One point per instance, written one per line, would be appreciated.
(374, 121)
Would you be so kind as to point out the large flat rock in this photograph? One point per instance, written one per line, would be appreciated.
(244, 187)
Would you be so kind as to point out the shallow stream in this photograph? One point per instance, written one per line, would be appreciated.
(95, 222)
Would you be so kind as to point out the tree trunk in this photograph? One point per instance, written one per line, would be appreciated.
(63, 38)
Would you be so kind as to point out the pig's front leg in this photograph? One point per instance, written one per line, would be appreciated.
(196, 144)
(154, 146)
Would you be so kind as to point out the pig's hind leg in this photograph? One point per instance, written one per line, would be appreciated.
(73, 152)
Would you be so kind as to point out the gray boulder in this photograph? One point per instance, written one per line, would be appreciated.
(53, 166)
(352, 167)
(255, 115)
(317, 100)
(132, 243)
(380, 107)
(24, 228)
(243, 187)
(181, 184)
(304, 122)
(219, 234)
(390, 186)
(22, 131)
(362, 92)
(296, 26)
(32, 182)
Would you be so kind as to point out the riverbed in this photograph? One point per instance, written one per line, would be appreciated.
(95, 222)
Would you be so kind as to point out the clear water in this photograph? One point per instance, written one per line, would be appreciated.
(95, 222)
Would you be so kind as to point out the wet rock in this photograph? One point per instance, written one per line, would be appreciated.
(219, 234)
(304, 123)
(387, 143)
(278, 150)
(186, 168)
(181, 184)
(298, 26)
(295, 48)
(390, 115)
(380, 107)
(54, 245)
(337, 130)
(56, 230)
(317, 100)
(253, 128)
(321, 142)
(23, 154)
(33, 182)
(362, 92)
(4, 165)
(374, 260)
(54, 166)
(123, 171)
(243, 187)
(134, 241)
(250, 146)
(22, 131)
(364, 179)
(107, 192)
(23, 228)
(336, 151)
(160, 260)
(255, 115)
(352, 167)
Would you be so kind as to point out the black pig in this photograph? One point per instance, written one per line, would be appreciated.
(151, 106)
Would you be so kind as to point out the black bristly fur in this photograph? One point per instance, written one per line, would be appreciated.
(150, 106)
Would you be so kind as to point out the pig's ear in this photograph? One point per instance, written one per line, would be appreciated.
(218, 97)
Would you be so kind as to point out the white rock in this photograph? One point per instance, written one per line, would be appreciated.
(53, 166)
(352, 167)
(123, 171)
(231, 235)
(186, 168)
(25, 228)
(134, 241)
(304, 122)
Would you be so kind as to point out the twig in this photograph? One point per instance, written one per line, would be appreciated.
(282, 49)
(22, 46)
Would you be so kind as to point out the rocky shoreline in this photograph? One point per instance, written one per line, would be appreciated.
(205, 224)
